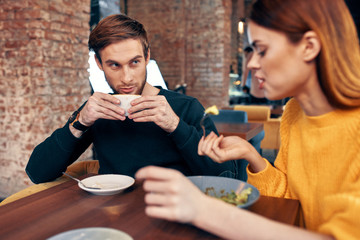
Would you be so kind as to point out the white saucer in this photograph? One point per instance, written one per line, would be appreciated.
(109, 184)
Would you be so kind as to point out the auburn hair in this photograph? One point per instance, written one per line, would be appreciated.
(338, 63)
(115, 28)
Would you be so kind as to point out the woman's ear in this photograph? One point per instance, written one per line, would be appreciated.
(312, 46)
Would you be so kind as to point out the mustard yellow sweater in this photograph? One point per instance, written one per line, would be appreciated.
(318, 164)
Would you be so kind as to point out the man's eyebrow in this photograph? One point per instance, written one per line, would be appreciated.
(135, 58)
(109, 61)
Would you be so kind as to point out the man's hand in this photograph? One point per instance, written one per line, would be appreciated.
(154, 109)
(101, 105)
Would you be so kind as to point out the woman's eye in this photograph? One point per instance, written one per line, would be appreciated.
(261, 51)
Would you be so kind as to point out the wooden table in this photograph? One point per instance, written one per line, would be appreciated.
(244, 130)
(66, 207)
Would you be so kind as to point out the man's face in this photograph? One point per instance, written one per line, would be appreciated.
(124, 66)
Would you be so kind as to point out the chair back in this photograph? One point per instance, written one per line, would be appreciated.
(255, 112)
(230, 116)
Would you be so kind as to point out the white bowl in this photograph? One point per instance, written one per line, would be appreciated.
(92, 233)
(223, 185)
(109, 184)
(125, 100)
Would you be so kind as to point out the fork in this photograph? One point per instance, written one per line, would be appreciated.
(202, 123)
(79, 181)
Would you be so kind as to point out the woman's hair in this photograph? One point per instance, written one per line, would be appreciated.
(115, 28)
(338, 63)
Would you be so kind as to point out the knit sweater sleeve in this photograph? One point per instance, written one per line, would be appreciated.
(272, 181)
(51, 157)
(187, 136)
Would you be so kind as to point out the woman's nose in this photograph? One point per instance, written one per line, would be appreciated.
(253, 62)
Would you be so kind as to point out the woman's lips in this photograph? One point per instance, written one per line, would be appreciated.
(261, 83)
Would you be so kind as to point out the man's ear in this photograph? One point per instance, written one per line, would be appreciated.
(98, 62)
(312, 46)
(148, 57)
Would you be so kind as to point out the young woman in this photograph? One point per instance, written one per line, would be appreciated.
(307, 50)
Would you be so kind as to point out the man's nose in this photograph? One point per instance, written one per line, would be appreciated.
(127, 75)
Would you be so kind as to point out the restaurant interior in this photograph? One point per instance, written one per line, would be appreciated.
(45, 63)
(46, 70)
(197, 48)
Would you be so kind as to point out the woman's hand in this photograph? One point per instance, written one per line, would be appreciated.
(221, 149)
(170, 195)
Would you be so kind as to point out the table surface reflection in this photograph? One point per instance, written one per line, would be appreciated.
(66, 207)
(244, 130)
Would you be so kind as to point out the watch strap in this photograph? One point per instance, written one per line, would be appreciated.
(78, 125)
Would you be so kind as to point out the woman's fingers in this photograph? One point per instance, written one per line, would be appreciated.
(161, 212)
(153, 172)
(207, 145)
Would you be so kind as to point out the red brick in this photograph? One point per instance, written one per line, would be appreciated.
(187, 32)
(42, 49)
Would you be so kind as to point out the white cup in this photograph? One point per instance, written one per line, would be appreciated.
(125, 100)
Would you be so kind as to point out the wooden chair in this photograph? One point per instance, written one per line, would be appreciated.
(258, 113)
(76, 169)
(230, 116)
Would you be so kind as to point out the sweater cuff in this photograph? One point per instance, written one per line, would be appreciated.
(181, 134)
(260, 179)
(66, 140)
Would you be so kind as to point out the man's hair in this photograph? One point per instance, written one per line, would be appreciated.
(339, 59)
(115, 28)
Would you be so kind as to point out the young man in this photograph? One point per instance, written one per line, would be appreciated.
(162, 127)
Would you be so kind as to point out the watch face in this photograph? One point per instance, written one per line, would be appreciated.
(73, 116)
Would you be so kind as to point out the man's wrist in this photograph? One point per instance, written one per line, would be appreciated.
(175, 125)
(75, 123)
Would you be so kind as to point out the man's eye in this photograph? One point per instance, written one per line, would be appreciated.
(135, 61)
(113, 65)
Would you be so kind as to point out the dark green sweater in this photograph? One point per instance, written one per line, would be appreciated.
(122, 147)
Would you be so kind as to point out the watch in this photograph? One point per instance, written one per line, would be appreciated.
(74, 121)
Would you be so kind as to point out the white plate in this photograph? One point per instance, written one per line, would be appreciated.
(109, 184)
(93, 233)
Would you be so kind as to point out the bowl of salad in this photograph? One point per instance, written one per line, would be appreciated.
(230, 190)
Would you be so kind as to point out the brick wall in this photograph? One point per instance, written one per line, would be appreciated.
(191, 41)
(43, 64)
(43, 77)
